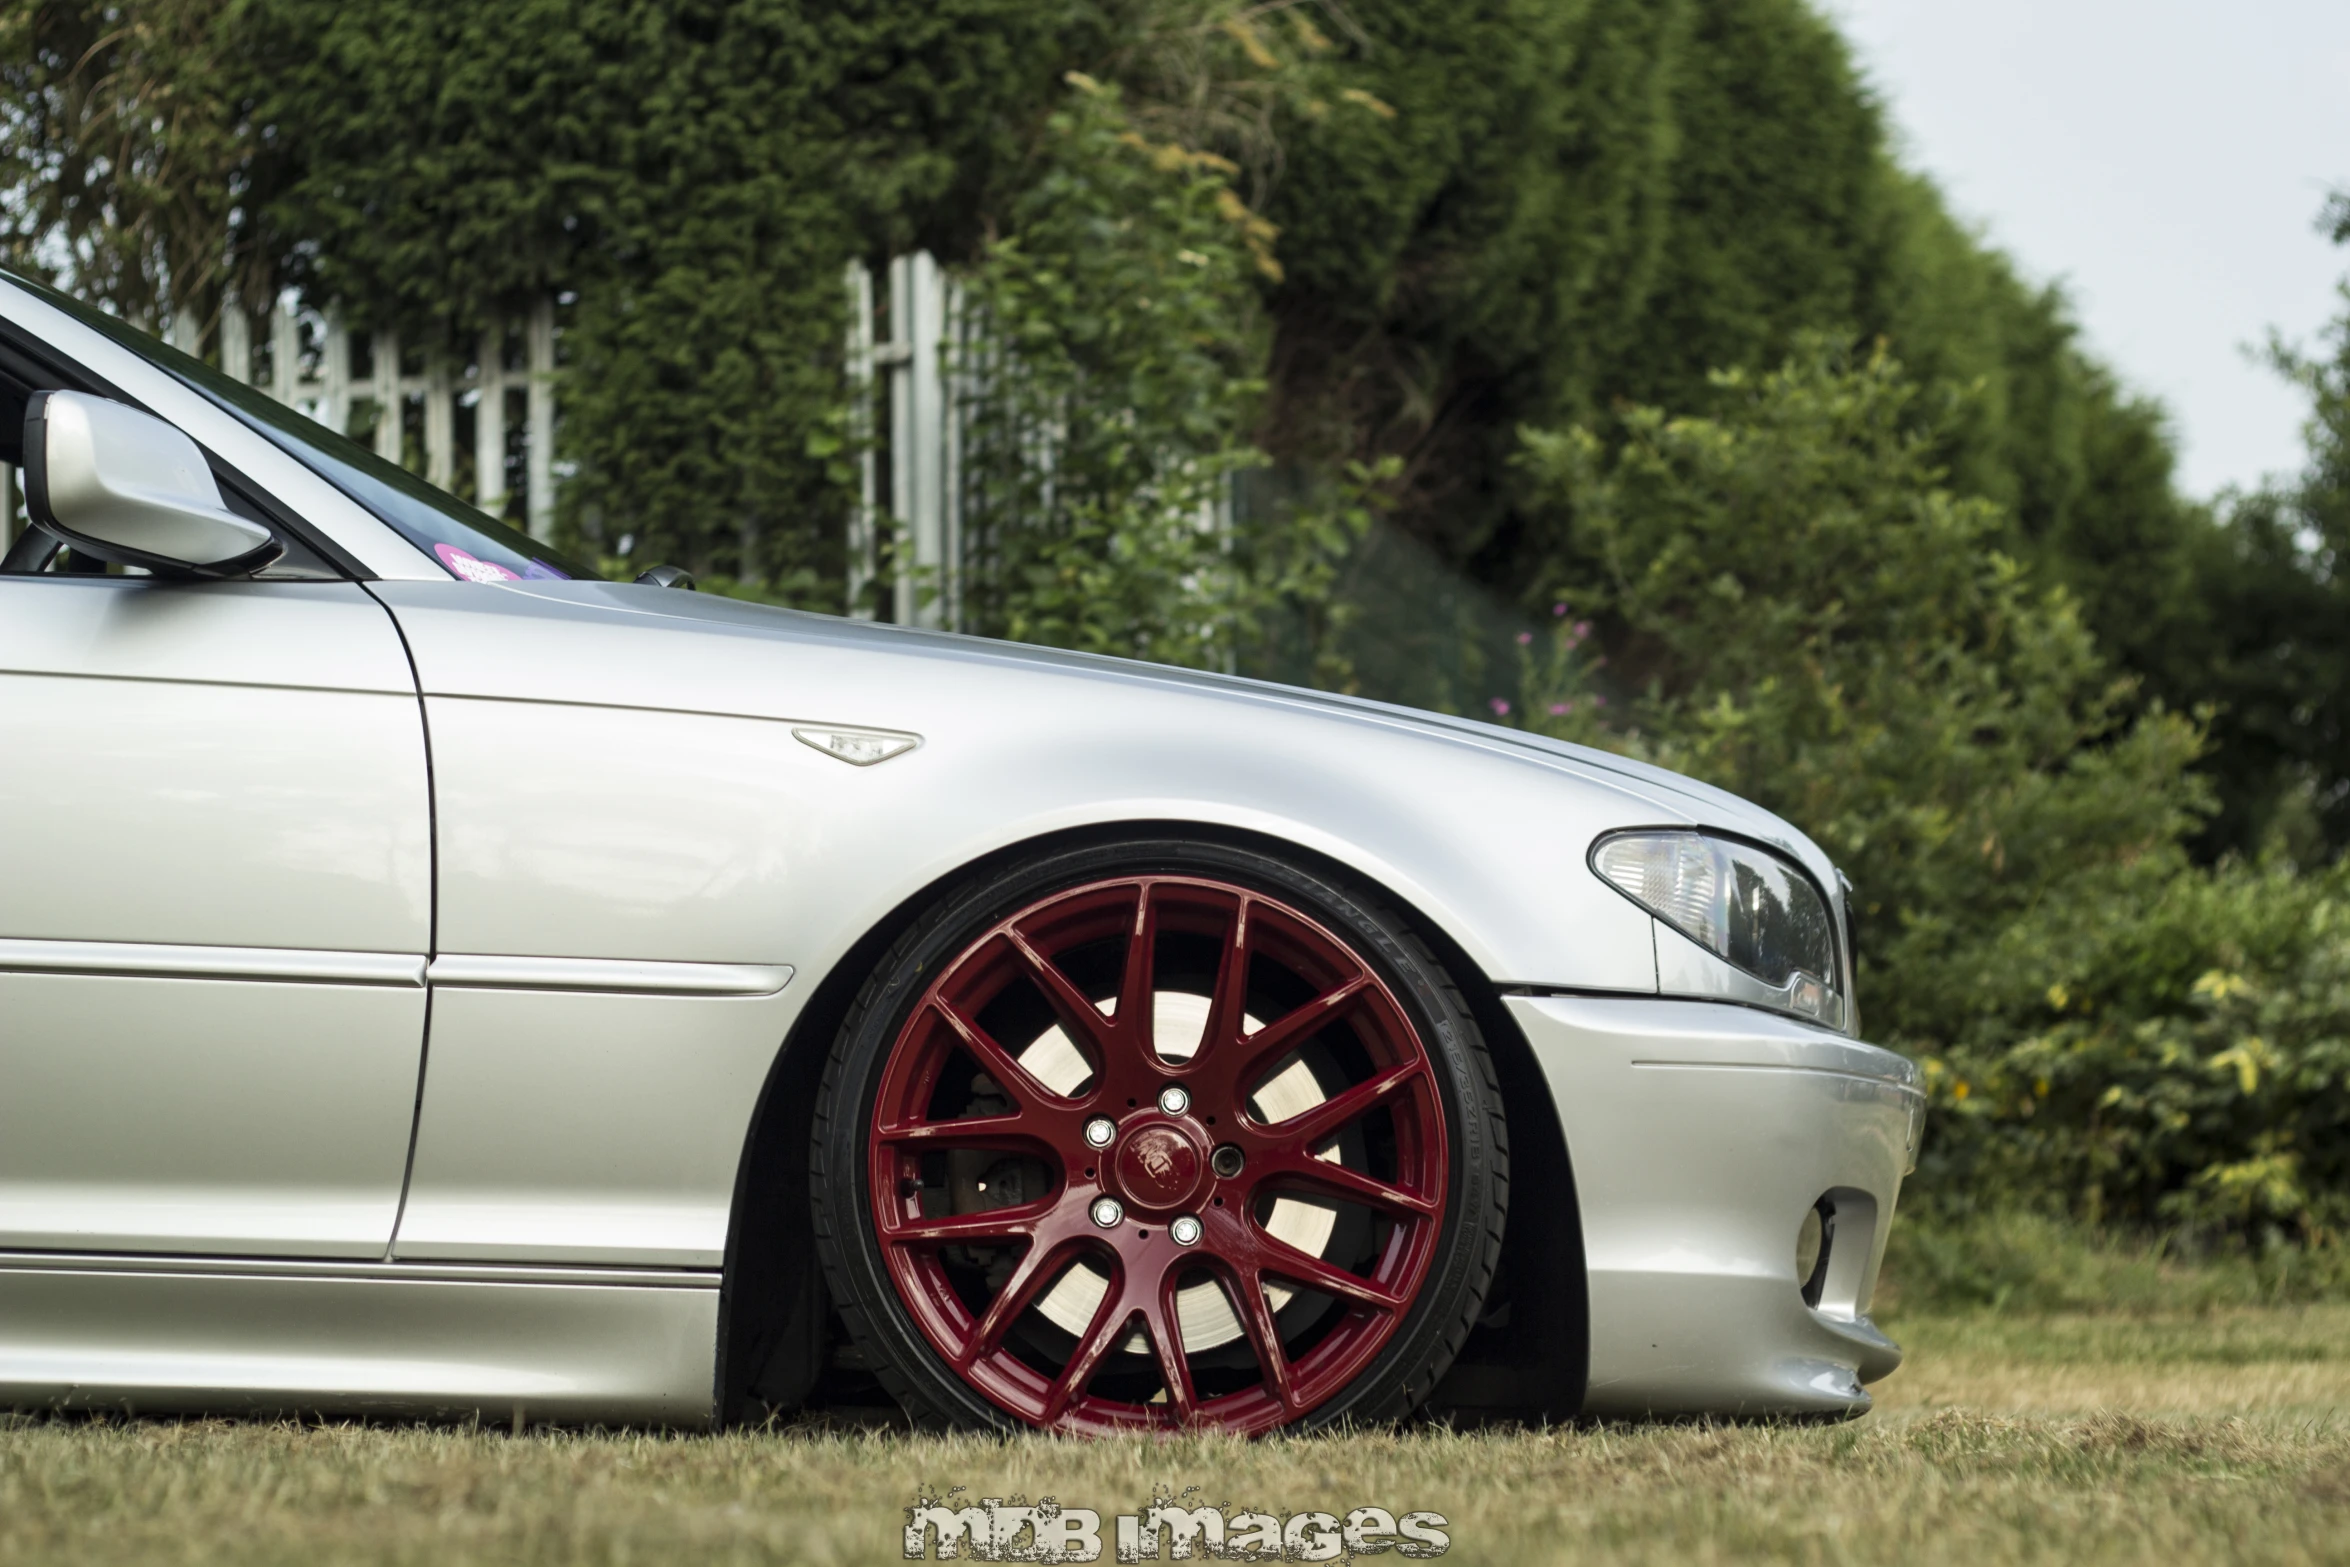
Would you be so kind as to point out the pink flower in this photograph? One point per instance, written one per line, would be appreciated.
(1525, 638)
(1561, 709)
(1500, 706)
(1599, 701)
(1558, 609)
(1582, 629)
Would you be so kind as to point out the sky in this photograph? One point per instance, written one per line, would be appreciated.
(2163, 161)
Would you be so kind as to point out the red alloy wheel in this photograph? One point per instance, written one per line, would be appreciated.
(1154, 1176)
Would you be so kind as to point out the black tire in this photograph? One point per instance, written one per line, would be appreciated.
(1453, 1288)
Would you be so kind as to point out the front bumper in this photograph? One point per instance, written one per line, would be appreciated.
(1700, 1135)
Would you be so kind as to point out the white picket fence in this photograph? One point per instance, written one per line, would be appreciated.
(508, 384)
(312, 362)
(911, 345)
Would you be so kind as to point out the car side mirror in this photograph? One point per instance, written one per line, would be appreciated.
(125, 487)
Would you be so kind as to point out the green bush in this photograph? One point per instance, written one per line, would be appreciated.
(1793, 605)
(2222, 1111)
(2029, 1262)
(1797, 609)
(1113, 393)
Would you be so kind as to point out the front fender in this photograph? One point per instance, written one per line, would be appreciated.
(620, 784)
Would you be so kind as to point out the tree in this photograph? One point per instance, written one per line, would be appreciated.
(693, 177)
(130, 169)
(2276, 651)
(1119, 335)
(1578, 205)
(1799, 609)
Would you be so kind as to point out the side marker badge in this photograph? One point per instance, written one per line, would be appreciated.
(857, 747)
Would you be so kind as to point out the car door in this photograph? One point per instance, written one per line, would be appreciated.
(215, 907)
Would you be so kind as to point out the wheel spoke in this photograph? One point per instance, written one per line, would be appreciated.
(1228, 1002)
(1304, 1130)
(1007, 1133)
(1165, 1329)
(1039, 1266)
(1246, 1288)
(1291, 1029)
(1135, 1017)
(994, 1059)
(1286, 1168)
(1110, 1321)
(955, 1229)
(1076, 1011)
(1283, 1260)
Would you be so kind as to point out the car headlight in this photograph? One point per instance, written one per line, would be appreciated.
(1743, 904)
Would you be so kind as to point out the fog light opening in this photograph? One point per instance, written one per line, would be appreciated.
(1815, 1238)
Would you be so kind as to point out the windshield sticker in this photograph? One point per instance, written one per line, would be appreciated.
(471, 568)
(540, 571)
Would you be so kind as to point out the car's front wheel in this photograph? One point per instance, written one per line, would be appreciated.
(1159, 1133)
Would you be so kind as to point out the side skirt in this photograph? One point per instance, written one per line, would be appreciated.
(379, 1340)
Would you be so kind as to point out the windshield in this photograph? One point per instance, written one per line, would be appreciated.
(469, 544)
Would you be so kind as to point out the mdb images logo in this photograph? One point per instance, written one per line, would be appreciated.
(992, 1529)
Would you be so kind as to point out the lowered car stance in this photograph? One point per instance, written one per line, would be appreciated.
(435, 982)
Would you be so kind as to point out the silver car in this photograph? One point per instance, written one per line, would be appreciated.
(434, 981)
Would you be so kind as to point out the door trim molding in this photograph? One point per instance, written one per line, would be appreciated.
(385, 1272)
(470, 971)
(148, 960)
(467, 971)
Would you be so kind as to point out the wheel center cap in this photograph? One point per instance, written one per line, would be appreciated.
(1159, 1165)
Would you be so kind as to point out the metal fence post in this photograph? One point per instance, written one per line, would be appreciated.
(927, 393)
(917, 439)
(334, 375)
(901, 438)
(864, 515)
(285, 353)
(391, 407)
(440, 424)
(954, 377)
(489, 423)
(539, 430)
(236, 341)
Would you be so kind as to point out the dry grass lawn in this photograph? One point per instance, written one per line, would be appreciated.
(2220, 1438)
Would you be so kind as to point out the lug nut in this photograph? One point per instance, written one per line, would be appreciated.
(1185, 1230)
(1107, 1211)
(1226, 1161)
(1174, 1100)
(1100, 1131)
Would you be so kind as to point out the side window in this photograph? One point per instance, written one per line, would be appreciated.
(12, 511)
(11, 460)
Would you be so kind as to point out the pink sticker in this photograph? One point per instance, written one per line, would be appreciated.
(471, 568)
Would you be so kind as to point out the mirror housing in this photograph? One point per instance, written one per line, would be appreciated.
(125, 487)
